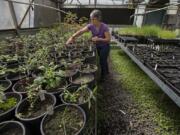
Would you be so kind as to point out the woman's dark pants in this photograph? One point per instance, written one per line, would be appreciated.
(103, 52)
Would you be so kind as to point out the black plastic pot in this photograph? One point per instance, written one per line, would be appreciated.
(70, 73)
(85, 66)
(57, 91)
(12, 128)
(3, 77)
(33, 123)
(9, 114)
(89, 57)
(61, 108)
(12, 64)
(90, 83)
(14, 77)
(6, 84)
(84, 105)
(22, 83)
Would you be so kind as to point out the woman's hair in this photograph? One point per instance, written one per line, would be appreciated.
(96, 14)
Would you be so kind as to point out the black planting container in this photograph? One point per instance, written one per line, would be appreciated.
(84, 105)
(33, 123)
(18, 84)
(7, 83)
(12, 126)
(91, 83)
(59, 108)
(14, 77)
(11, 112)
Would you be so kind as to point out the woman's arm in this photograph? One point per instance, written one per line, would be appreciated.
(77, 34)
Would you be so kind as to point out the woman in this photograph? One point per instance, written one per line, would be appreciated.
(101, 37)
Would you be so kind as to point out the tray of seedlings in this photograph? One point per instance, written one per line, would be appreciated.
(163, 60)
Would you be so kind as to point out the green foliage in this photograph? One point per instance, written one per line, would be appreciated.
(75, 97)
(147, 31)
(7, 58)
(8, 104)
(50, 78)
(165, 34)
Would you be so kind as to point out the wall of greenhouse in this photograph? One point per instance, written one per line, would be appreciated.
(15, 14)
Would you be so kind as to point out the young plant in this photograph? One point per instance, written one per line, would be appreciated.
(6, 103)
(81, 95)
(51, 78)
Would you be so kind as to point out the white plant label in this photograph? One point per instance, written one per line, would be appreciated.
(152, 55)
(173, 57)
(4, 97)
(90, 48)
(88, 66)
(133, 48)
(93, 53)
(50, 110)
(42, 95)
(69, 54)
(156, 67)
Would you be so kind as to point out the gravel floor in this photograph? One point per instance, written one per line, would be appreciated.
(118, 114)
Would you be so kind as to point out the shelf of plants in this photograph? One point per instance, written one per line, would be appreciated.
(161, 62)
(47, 87)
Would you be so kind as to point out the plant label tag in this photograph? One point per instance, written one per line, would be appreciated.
(71, 79)
(81, 100)
(69, 54)
(156, 67)
(88, 66)
(4, 98)
(90, 48)
(93, 53)
(152, 55)
(173, 57)
(158, 48)
(133, 48)
(50, 110)
(42, 95)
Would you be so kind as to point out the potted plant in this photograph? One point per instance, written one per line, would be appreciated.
(5, 85)
(12, 128)
(21, 86)
(66, 119)
(81, 96)
(52, 81)
(82, 79)
(8, 103)
(88, 69)
(32, 109)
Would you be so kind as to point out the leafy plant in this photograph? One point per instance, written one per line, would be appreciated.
(81, 95)
(8, 58)
(51, 78)
(7, 104)
(33, 91)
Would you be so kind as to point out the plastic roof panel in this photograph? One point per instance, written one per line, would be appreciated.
(35, 17)
(6, 21)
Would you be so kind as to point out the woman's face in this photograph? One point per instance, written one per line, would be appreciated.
(94, 21)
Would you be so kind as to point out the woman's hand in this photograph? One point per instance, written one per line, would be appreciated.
(70, 41)
(95, 39)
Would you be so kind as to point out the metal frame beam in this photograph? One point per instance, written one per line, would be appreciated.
(25, 14)
(13, 14)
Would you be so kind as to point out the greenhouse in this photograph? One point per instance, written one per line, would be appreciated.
(89, 67)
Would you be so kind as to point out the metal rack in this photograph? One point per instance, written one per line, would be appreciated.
(167, 89)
